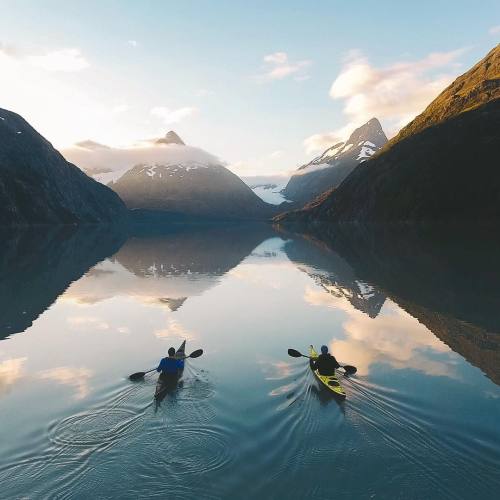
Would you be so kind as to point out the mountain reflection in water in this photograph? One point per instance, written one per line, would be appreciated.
(447, 280)
(414, 311)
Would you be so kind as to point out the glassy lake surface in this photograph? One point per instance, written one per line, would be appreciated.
(82, 310)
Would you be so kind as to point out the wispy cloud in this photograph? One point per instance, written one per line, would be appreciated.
(494, 30)
(396, 93)
(317, 143)
(169, 116)
(11, 371)
(133, 43)
(76, 378)
(278, 66)
(65, 60)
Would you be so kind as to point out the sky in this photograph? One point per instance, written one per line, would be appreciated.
(263, 85)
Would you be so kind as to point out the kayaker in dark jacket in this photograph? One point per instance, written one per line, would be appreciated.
(170, 365)
(325, 363)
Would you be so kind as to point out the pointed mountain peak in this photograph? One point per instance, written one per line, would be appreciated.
(171, 138)
(371, 131)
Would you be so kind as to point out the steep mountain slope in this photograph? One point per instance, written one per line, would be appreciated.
(38, 186)
(187, 180)
(443, 166)
(336, 163)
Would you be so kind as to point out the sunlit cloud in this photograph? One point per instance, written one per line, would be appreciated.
(11, 370)
(278, 66)
(395, 93)
(276, 370)
(88, 322)
(169, 116)
(318, 143)
(175, 331)
(76, 378)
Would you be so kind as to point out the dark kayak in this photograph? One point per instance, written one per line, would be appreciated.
(168, 382)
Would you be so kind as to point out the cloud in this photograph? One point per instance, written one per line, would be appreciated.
(133, 43)
(11, 371)
(396, 93)
(276, 155)
(93, 157)
(320, 142)
(278, 66)
(66, 60)
(494, 30)
(175, 331)
(50, 99)
(169, 116)
(77, 378)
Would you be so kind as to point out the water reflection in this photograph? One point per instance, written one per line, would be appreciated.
(166, 269)
(448, 281)
(334, 274)
(38, 264)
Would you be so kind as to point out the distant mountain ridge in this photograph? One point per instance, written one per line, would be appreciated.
(38, 186)
(176, 178)
(328, 170)
(441, 167)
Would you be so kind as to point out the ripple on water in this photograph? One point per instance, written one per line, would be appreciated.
(93, 429)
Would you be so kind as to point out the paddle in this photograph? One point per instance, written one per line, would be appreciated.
(139, 375)
(349, 369)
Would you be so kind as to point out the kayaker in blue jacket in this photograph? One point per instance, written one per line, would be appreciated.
(325, 363)
(170, 365)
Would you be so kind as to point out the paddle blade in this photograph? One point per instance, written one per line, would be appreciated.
(137, 376)
(294, 353)
(350, 370)
(196, 354)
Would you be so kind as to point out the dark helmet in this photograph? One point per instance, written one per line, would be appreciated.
(171, 351)
(324, 349)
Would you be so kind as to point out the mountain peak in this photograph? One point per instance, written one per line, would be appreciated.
(371, 131)
(171, 138)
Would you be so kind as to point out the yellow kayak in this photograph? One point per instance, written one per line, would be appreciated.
(329, 381)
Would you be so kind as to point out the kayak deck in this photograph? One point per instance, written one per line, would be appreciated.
(331, 382)
(168, 383)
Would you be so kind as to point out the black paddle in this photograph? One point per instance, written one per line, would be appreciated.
(349, 369)
(139, 375)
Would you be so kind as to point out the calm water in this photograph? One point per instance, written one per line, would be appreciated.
(82, 310)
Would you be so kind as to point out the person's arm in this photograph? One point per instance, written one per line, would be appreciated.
(160, 366)
(180, 364)
(314, 364)
(336, 362)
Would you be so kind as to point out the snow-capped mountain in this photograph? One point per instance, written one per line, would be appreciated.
(329, 169)
(168, 175)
